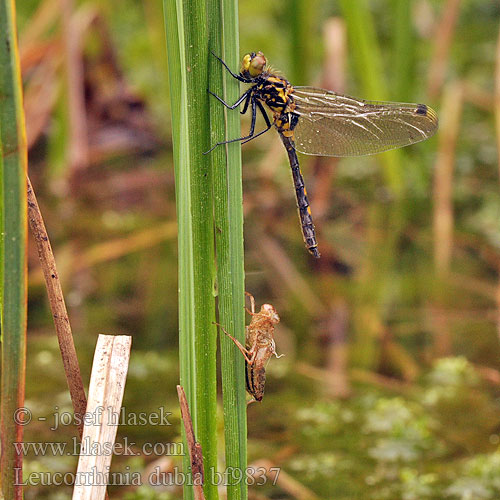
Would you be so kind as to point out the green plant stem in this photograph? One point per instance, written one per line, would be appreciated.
(403, 72)
(369, 66)
(228, 205)
(187, 48)
(302, 49)
(13, 210)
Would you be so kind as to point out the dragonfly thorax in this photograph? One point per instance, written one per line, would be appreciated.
(275, 92)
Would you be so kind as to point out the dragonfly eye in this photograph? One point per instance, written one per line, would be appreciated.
(253, 64)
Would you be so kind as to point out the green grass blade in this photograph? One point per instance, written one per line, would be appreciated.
(302, 16)
(368, 63)
(228, 203)
(364, 48)
(187, 49)
(403, 72)
(13, 172)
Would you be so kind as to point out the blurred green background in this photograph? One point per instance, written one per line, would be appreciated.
(389, 385)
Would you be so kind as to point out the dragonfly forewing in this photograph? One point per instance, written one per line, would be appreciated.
(333, 124)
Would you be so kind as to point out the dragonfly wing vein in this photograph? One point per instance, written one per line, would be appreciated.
(332, 124)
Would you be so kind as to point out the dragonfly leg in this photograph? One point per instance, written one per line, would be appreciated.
(264, 114)
(234, 75)
(255, 135)
(252, 304)
(253, 351)
(266, 118)
(247, 102)
(246, 95)
(274, 350)
(250, 135)
(246, 353)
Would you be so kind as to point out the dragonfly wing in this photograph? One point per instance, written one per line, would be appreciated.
(333, 124)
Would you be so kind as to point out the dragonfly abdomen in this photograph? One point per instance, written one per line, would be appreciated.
(306, 221)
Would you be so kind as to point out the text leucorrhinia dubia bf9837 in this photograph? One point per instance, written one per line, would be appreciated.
(323, 123)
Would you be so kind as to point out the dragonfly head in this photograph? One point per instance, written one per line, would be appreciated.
(270, 312)
(253, 64)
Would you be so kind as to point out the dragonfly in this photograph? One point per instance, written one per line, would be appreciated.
(320, 122)
(259, 346)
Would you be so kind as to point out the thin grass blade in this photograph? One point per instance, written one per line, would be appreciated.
(187, 49)
(228, 204)
(13, 210)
